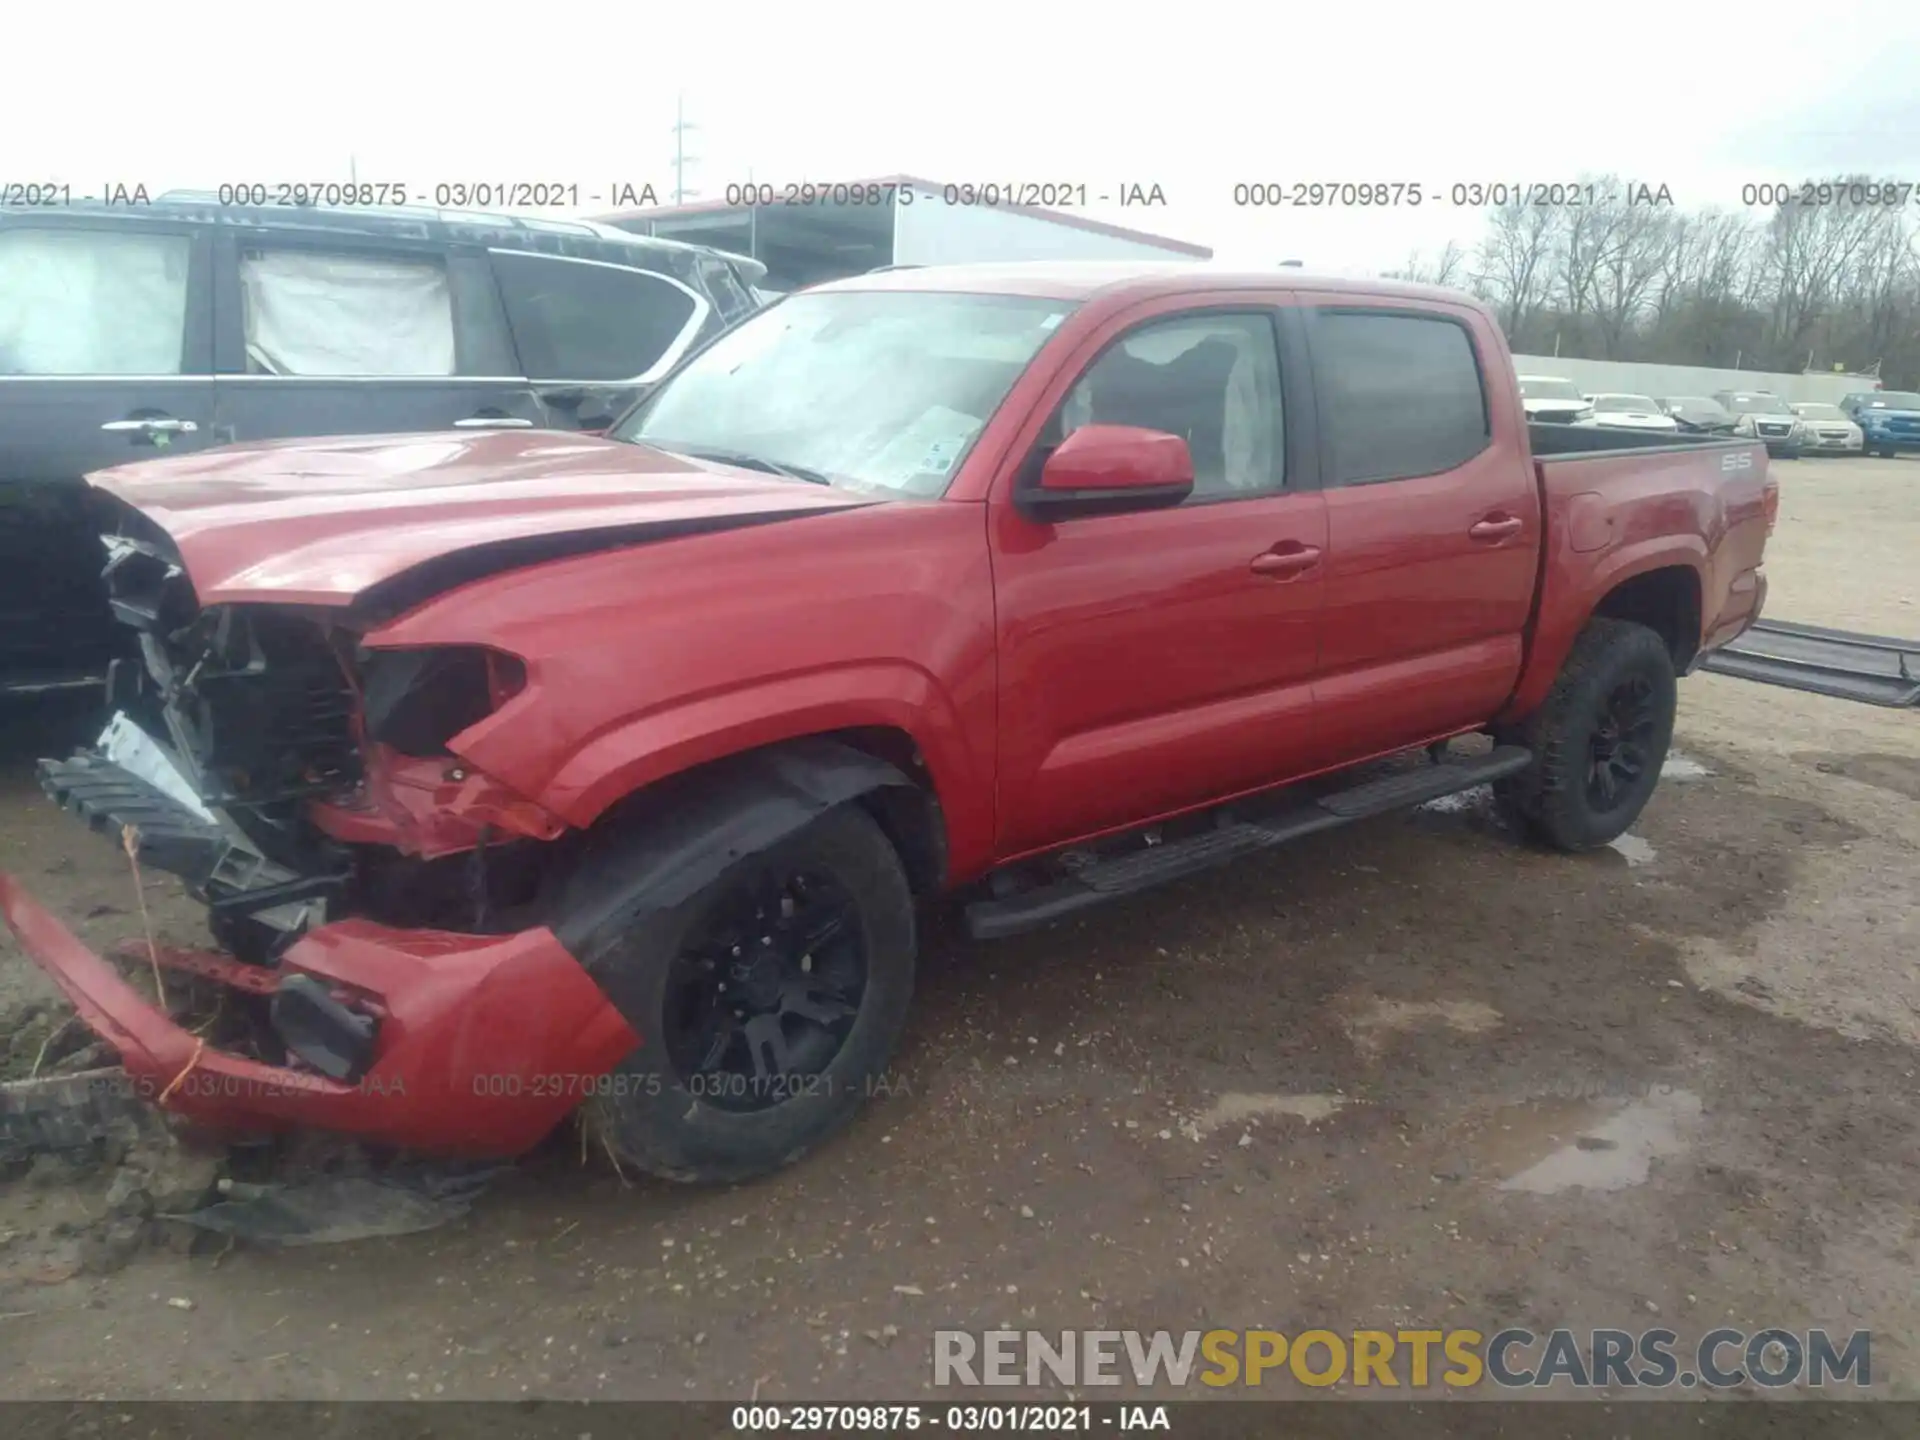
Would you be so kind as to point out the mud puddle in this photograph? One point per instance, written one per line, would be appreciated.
(1634, 850)
(1608, 1147)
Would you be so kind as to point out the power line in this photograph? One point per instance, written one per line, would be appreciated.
(681, 125)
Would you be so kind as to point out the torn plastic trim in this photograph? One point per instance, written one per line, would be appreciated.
(64, 1114)
(130, 779)
(431, 808)
(332, 1209)
(132, 749)
(488, 1041)
(667, 843)
(417, 699)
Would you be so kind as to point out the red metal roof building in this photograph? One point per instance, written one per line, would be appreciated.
(827, 232)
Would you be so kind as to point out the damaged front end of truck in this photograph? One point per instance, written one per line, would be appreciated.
(379, 966)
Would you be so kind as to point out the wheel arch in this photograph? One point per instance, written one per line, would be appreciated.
(1666, 599)
(664, 842)
(1661, 586)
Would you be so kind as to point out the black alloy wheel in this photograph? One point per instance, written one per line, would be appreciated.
(765, 991)
(1621, 747)
(1599, 739)
(767, 1002)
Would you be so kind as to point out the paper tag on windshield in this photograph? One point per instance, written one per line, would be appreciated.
(930, 445)
(941, 456)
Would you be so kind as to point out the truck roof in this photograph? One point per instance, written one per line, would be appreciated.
(1132, 279)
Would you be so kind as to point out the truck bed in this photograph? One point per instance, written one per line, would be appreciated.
(1547, 439)
(1622, 504)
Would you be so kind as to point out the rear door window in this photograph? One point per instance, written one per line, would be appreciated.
(92, 302)
(587, 320)
(1399, 395)
(315, 313)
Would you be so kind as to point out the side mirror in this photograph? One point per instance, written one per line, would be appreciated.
(1110, 469)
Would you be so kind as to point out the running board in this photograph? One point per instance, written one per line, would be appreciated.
(1106, 878)
(1875, 669)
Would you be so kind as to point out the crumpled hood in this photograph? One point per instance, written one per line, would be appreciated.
(322, 522)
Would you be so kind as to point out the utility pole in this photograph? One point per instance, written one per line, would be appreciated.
(680, 157)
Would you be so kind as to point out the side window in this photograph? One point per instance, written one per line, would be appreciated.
(583, 320)
(1213, 380)
(92, 302)
(1400, 395)
(306, 312)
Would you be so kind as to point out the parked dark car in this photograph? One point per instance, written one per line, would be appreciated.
(1889, 420)
(1699, 414)
(1764, 416)
(133, 331)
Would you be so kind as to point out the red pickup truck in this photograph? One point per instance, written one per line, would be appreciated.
(529, 772)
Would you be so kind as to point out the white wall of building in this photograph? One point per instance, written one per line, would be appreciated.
(1629, 378)
(930, 232)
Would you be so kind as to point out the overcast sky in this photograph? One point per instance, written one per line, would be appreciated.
(1192, 97)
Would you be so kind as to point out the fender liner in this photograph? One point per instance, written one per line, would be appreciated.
(666, 843)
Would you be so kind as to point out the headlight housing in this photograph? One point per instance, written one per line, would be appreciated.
(1582, 416)
(416, 700)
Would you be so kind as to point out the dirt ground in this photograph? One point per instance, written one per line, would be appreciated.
(1291, 1094)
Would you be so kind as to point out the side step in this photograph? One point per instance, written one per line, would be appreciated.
(1105, 878)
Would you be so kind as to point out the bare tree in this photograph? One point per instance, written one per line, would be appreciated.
(1813, 253)
(1513, 266)
(1448, 268)
(1837, 280)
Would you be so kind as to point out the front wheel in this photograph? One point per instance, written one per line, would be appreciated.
(768, 1005)
(1599, 740)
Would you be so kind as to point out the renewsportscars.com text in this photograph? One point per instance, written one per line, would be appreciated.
(1409, 1359)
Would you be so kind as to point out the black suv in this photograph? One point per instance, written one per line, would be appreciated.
(132, 331)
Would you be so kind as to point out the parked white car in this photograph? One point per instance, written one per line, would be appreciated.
(1554, 401)
(1632, 412)
(1828, 428)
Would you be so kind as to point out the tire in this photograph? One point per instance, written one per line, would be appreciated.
(1616, 668)
(657, 1111)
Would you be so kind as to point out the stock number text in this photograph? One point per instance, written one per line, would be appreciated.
(312, 192)
(1821, 192)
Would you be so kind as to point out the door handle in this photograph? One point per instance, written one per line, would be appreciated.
(493, 422)
(1282, 563)
(152, 425)
(1496, 527)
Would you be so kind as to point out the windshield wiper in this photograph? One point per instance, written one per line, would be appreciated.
(749, 461)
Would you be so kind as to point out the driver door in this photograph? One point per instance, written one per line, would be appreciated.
(1152, 662)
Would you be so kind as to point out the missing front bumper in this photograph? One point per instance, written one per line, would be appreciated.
(485, 1042)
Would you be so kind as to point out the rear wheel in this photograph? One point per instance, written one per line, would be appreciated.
(767, 1004)
(1599, 740)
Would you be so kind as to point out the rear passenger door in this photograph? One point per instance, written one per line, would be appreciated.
(593, 334)
(349, 335)
(105, 358)
(1433, 525)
